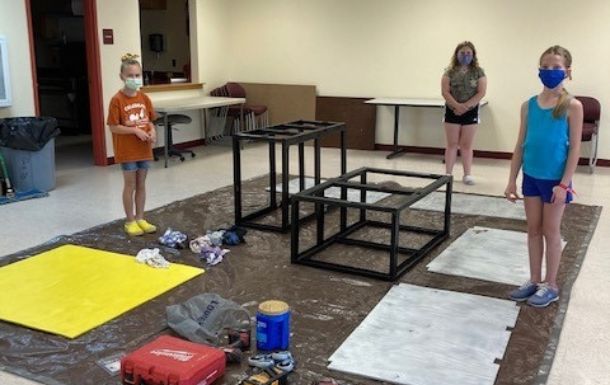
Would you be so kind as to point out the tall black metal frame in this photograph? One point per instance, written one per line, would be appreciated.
(316, 196)
(288, 134)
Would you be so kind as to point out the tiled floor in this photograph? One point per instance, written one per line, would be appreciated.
(87, 196)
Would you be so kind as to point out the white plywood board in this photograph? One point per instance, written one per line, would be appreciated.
(424, 336)
(473, 204)
(353, 195)
(489, 254)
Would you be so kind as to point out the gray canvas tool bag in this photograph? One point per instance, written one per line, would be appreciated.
(203, 318)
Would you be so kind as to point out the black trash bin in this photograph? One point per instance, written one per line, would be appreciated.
(28, 147)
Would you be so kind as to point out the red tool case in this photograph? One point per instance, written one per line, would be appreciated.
(172, 361)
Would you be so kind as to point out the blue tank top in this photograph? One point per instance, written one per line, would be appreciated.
(546, 144)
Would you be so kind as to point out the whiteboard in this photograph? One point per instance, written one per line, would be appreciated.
(5, 84)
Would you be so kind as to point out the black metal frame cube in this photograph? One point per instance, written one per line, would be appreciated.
(408, 196)
(288, 134)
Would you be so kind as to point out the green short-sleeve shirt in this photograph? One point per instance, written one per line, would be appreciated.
(463, 85)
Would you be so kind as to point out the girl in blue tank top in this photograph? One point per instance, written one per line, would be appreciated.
(547, 149)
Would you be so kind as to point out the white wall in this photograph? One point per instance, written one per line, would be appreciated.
(212, 31)
(362, 48)
(123, 17)
(14, 26)
(127, 39)
(399, 48)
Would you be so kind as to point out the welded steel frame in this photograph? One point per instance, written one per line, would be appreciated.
(323, 205)
(288, 134)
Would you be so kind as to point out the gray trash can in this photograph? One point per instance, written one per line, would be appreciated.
(31, 170)
(28, 147)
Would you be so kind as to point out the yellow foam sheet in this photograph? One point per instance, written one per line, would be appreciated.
(72, 289)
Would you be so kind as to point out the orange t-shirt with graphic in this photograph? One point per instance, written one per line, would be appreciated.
(137, 109)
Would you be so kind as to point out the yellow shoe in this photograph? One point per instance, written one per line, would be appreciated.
(146, 227)
(133, 229)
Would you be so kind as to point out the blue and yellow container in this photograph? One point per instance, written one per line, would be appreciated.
(273, 326)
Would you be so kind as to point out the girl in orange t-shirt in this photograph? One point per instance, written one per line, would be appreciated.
(130, 118)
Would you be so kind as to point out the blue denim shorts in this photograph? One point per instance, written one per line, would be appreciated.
(543, 188)
(135, 166)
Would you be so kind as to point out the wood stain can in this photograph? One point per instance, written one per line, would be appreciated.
(273, 326)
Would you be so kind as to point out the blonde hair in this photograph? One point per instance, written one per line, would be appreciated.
(129, 59)
(564, 100)
(454, 63)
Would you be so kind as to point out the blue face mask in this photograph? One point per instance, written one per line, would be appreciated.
(133, 83)
(551, 78)
(464, 59)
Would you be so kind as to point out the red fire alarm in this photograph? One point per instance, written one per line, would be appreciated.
(108, 36)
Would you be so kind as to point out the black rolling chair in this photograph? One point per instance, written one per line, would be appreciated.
(173, 119)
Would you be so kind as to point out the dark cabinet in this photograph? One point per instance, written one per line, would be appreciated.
(153, 4)
(359, 118)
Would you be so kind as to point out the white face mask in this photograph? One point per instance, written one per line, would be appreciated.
(133, 83)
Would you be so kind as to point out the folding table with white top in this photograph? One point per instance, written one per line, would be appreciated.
(407, 102)
(194, 103)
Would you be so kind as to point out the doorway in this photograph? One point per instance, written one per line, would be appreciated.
(65, 61)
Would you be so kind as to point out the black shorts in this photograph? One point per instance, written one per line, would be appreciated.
(470, 117)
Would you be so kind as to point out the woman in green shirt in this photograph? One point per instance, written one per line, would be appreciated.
(463, 86)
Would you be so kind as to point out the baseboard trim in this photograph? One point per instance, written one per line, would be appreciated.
(189, 144)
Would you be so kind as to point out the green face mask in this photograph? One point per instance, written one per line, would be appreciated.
(133, 83)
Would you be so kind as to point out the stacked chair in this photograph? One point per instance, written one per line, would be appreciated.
(255, 116)
(590, 127)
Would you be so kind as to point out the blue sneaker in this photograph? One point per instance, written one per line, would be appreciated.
(524, 291)
(544, 296)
